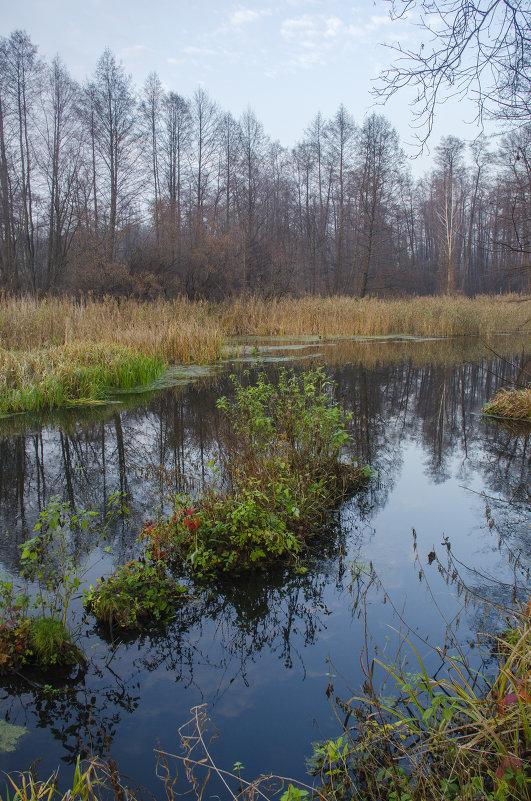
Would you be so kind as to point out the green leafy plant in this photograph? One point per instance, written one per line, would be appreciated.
(282, 466)
(53, 562)
(55, 558)
(134, 594)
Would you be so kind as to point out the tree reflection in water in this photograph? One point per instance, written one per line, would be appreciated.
(256, 647)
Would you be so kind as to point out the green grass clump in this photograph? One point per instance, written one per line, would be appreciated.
(512, 404)
(51, 644)
(134, 595)
(284, 465)
(48, 378)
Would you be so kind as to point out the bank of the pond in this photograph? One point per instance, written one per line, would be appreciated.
(63, 375)
(58, 351)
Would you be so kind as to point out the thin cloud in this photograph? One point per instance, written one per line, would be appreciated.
(244, 16)
(191, 50)
(316, 39)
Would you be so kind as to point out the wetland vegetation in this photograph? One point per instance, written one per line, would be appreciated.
(56, 352)
(266, 427)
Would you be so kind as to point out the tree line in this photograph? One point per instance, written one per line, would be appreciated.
(108, 188)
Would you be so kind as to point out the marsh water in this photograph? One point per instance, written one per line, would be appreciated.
(268, 653)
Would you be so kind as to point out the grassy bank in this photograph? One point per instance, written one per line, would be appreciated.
(61, 375)
(59, 351)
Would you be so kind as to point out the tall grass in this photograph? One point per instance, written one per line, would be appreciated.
(177, 330)
(341, 316)
(184, 331)
(59, 375)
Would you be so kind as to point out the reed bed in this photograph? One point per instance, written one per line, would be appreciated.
(340, 316)
(57, 351)
(185, 331)
(177, 330)
(61, 375)
(512, 404)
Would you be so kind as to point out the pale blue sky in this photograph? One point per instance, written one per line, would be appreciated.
(286, 59)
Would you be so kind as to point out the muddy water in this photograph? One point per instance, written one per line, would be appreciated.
(268, 653)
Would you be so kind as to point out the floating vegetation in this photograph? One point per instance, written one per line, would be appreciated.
(10, 734)
(510, 404)
(283, 465)
(138, 593)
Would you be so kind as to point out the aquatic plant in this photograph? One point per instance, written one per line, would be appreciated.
(181, 330)
(511, 404)
(437, 739)
(55, 558)
(51, 644)
(135, 594)
(53, 562)
(345, 316)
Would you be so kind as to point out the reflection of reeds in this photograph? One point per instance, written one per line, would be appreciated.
(448, 352)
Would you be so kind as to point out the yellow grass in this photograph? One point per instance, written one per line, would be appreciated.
(513, 404)
(177, 331)
(421, 316)
(184, 331)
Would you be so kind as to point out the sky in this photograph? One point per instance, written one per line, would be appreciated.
(284, 59)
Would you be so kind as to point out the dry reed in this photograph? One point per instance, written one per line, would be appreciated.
(341, 316)
(184, 331)
(513, 404)
(177, 331)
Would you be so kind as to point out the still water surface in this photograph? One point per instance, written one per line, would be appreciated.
(263, 651)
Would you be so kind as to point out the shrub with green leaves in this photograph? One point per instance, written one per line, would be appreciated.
(283, 464)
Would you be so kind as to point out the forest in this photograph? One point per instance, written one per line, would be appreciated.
(112, 189)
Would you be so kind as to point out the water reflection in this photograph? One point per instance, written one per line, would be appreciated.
(256, 648)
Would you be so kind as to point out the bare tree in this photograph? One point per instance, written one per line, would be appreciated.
(340, 139)
(22, 71)
(476, 49)
(150, 115)
(449, 181)
(61, 163)
(112, 105)
(175, 153)
(380, 155)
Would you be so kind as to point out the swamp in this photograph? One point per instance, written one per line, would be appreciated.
(422, 555)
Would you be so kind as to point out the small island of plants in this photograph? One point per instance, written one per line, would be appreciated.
(282, 466)
(510, 404)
